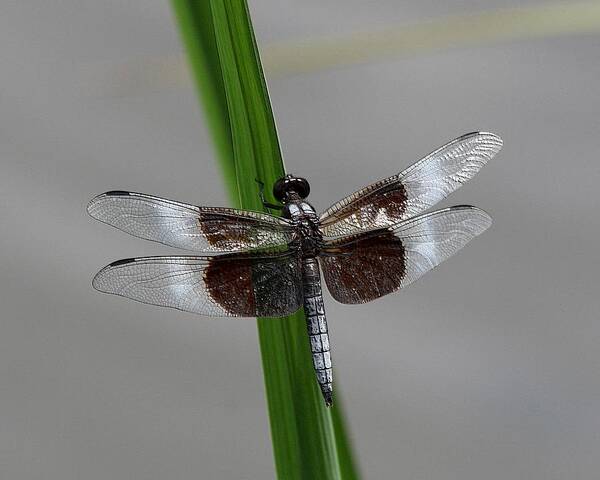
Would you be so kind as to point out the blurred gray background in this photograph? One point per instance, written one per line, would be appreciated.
(489, 367)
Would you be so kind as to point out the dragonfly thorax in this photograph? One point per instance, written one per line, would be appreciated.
(306, 221)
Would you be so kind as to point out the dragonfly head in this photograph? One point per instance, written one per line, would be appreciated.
(288, 184)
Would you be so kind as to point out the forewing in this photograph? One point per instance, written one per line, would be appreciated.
(419, 187)
(202, 229)
(229, 285)
(364, 267)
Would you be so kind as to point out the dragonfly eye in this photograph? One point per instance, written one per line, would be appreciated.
(284, 186)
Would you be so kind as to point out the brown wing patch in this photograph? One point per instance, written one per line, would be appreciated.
(229, 283)
(227, 233)
(365, 269)
(376, 206)
(223, 233)
(255, 286)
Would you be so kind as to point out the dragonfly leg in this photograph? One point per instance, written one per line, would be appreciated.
(268, 205)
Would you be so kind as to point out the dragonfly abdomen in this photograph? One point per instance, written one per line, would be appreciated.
(317, 327)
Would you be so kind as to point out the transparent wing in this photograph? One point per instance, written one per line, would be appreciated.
(419, 187)
(202, 229)
(228, 285)
(366, 266)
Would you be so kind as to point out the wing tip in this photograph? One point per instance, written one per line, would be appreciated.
(123, 261)
(90, 209)
(116, 193)
(493, 139)
(98, 280)
(482, 133)
(486, 218)
(103, 196)
(97, 283)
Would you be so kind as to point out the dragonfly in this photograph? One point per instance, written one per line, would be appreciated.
(253, 264)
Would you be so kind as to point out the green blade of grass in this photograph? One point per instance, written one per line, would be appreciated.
(309, 440)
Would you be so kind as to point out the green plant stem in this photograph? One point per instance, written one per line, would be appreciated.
(309, 440)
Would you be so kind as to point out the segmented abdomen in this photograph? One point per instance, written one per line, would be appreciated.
(317, 327)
